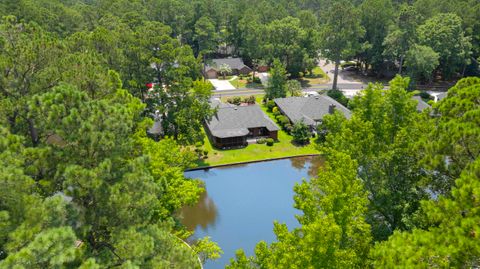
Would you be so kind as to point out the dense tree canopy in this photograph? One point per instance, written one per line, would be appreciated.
(82, 186)
(405, 182)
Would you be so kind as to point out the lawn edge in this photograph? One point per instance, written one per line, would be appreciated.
(251, 161)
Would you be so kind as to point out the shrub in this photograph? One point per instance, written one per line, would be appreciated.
(257, 80)
(205, 152)
(270, 142)
(275, 109)
(237, 100)
(276, 113)
(261, 141)
(249, 100)
(288, 128)
(283, 120)
(270, 105)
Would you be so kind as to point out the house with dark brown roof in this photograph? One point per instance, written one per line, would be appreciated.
(212, 68)
(232, 125)
(309, 110)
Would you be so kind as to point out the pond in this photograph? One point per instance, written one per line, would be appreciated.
(241, 203)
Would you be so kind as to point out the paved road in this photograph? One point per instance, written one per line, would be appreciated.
(346, 83)
(349, 89)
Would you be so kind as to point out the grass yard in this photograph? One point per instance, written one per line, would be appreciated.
(256, 152)
(239, 83)
(318, 77)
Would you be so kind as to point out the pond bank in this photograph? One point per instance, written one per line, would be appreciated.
(247, 162)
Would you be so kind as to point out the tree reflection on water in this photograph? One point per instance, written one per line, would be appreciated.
(203, 214)
(314, 164)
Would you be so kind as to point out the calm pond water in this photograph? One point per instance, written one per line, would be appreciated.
(241, 203)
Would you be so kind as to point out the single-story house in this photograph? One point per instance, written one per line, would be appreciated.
(309, 110)
(212, 69)
(232, 125)
(421, 105)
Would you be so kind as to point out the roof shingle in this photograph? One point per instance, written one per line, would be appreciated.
(233, 121)
(309, 109)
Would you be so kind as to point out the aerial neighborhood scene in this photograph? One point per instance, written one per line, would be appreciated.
(239, 134)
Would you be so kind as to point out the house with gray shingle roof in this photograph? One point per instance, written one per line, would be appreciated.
(309, 110)
(232, 125)
(211, 68)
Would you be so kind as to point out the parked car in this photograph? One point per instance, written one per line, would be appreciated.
(350, 68)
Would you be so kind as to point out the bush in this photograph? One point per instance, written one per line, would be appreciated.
(276, 113)
(275, 109)
(237, 100)
(261, 141)
(288, 128)
(205, 152)
(257, 80)
(283, 120)
(270, 105)
(270, 142)
(249, 100)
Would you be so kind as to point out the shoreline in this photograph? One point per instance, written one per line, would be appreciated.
(248, 162)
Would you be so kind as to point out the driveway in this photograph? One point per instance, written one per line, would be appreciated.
(222, 85)
(344, 77)
(263, 78)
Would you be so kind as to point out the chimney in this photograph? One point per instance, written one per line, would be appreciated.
(331, 108)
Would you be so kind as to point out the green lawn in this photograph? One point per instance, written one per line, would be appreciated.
(256, 152)
(318, 77)
(239, 83)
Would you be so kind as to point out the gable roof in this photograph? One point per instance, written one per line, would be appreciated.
(234, 63)
(309, 109)
(421, 105)
(233, 121)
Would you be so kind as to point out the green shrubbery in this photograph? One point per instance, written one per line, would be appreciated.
(236, 100)
(270, 142)
(284, 122)
(254, 80)
(249, 100)
(270, 105)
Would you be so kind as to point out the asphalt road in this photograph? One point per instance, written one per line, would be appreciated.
(245, 91)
